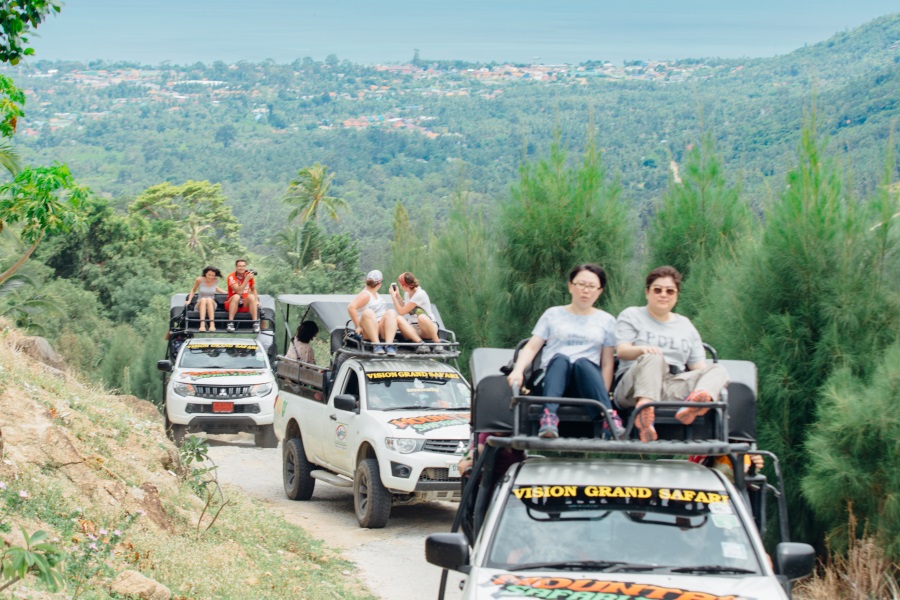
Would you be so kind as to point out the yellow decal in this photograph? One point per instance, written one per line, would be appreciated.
(602, 491)
(412, 375)
(222, 345)
(547, 491)
(561, 588)
(692, 496)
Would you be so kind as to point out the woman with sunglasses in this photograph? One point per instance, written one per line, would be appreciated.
(661, 356)
(578, 342)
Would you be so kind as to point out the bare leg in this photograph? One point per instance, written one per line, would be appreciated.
(388, 326)
(408, 331)
(429, 329)
(252, 306)
(201, 308)
(233, 304)
(369, 326)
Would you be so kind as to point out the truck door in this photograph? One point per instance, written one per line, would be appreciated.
(339, 443)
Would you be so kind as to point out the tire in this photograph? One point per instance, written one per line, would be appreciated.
(371, 499)
(174, 431)
(295, 471)
(265, 436)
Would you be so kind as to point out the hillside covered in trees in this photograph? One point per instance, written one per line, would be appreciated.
(770, 183)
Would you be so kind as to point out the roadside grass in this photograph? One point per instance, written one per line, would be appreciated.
(95, 471)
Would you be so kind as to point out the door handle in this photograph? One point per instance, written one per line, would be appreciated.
(333, 417)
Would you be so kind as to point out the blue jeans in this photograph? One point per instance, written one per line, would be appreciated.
(581, 379)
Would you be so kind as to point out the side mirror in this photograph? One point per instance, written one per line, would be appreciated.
(346, 402)
(164, 365)
(794, 560)
(448, 551)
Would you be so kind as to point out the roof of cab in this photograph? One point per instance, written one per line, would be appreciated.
(678, 474)
(208, 342)
(379, 365)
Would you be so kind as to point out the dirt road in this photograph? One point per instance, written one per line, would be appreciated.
(391, 561)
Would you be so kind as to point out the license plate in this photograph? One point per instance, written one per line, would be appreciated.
(453, 469)
(223, 407)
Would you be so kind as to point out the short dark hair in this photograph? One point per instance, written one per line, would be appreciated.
(243, 260)
(213, 269)
(664, 271)
(306, 331)
(593, 268)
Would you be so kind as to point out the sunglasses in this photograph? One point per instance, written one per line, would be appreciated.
(669, 291)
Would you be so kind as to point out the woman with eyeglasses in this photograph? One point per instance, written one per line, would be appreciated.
(661, 356)
(579, 343)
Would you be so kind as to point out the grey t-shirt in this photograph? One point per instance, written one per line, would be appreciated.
(679, 339)
(574, 336)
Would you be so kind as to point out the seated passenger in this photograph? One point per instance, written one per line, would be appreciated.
(578, 342)
(242, 294)
(299, 348)
(371, 316)
(419, 323)
(652, 341)
(206, 288)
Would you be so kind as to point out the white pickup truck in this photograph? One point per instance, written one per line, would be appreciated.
(391, 428)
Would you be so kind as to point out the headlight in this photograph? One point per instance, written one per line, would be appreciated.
(183, 389)
(261, 389)
(404, 445)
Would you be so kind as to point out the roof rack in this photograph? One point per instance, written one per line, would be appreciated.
(407, 350)
(587, 445)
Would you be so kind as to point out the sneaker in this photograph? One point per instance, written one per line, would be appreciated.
(378, 349)
(618, 430)
(422, 348)
(687, 414)
(644, 422)
(438, 349)
(256, 328)
(390, 350)
(230, 326)
(549, 425)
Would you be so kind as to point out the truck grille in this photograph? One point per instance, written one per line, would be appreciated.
(444, 446)
(207, 408)
(221, 392)
(436, 474)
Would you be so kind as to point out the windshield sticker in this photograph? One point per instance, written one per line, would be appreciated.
(430, 422)
(734, 550)
(412, 375)
(603, 491)
(725, 521)
(720, 508)
(195, 375)
(222, 345)
(591, 589)
(422, 390)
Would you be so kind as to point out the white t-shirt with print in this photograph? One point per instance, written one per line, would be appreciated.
(574, 336)
(421, 300)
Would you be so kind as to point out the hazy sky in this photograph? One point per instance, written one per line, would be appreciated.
(186, 31)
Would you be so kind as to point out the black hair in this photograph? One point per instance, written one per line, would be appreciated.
(213, 269)
(665, 271)
(306, 331)
(591, 267)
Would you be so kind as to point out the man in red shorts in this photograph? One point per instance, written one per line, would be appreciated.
(242, 294)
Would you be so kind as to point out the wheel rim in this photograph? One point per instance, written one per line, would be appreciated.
(363, 492)
(290, 469)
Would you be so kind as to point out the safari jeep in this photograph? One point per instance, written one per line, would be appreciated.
(392, 429)
(601, 528)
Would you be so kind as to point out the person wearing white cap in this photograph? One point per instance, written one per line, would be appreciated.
(371, 316)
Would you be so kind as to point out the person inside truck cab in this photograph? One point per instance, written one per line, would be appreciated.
(206, 287)
(578, 341)
(371, 316)
(300, 348)
(661, 356)
(242, 294)
(419, 322)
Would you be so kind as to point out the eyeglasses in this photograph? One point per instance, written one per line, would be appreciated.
(669, 291)
(590, 287)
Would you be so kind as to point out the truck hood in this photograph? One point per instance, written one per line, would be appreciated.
(491, 584)
(229, 377)
(430, 424)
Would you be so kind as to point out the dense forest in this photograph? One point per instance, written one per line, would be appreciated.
(770, 183)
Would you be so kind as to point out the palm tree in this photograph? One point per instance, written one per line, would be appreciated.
(309, 192)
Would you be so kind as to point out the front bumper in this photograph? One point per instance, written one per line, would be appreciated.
(197, 412)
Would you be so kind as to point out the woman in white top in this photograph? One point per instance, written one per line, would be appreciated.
(420, 323)
(579, 342)
(206, 288)
(371, 316)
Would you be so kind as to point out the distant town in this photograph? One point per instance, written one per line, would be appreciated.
(178, 86)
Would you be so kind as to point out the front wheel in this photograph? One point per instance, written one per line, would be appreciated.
(371, 499)
(174, 431)
(296, 471)
(265, 437)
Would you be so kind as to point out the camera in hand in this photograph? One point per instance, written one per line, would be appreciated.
(251, 271)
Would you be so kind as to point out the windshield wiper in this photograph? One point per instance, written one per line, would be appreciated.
(712, 569)
(573, 565)
(405, 408)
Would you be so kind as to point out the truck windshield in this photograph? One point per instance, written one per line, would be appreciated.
(446, 391)
(219, 356)
(596, 528)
